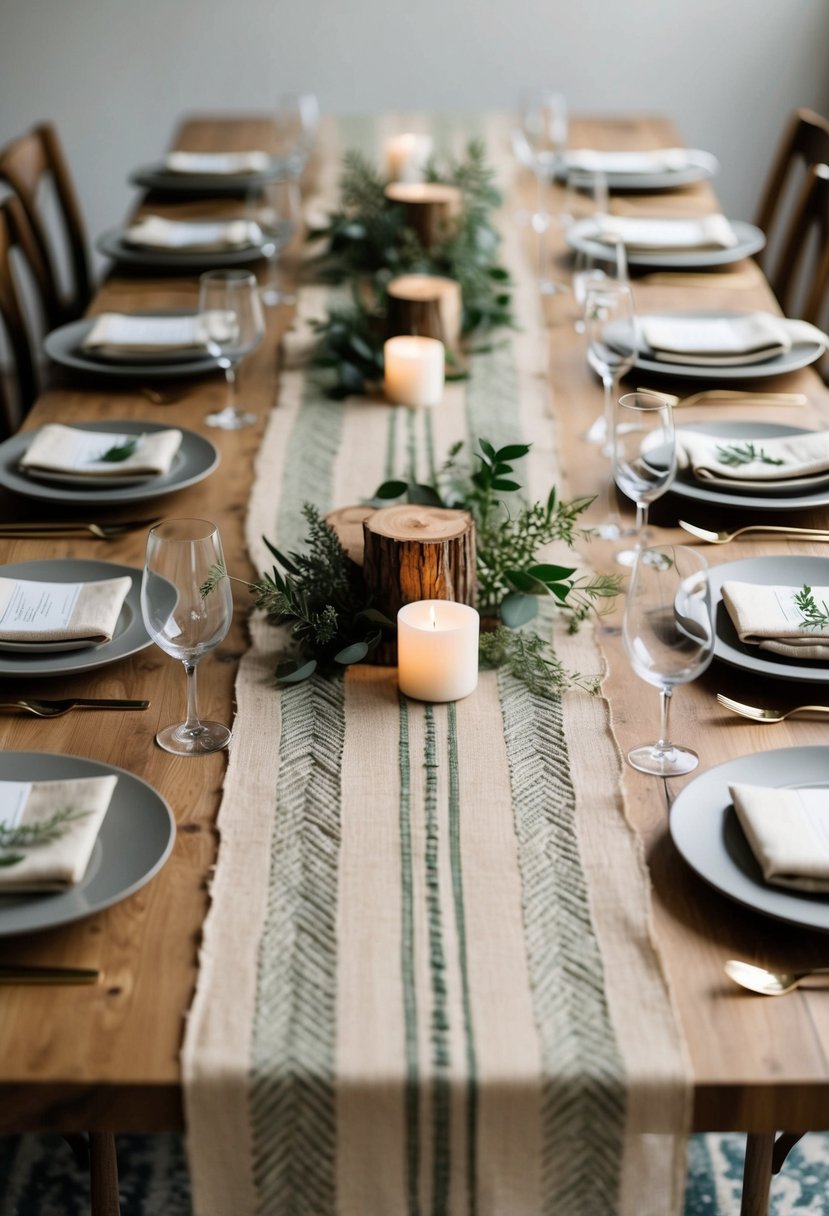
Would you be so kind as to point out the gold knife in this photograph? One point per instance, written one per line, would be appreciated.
(22, 973)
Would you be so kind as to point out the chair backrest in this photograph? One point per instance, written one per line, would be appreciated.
(25, 164)
(805, 143)
(803, 278)
(15, 234)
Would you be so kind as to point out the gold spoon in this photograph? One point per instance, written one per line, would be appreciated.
(768, 983)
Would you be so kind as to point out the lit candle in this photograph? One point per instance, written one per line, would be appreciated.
(407, 156)
(413, 370)
(437, 650)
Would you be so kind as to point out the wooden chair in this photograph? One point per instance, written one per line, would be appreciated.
(25, 164)
(15, 235)
(802, 281)
(806, 143)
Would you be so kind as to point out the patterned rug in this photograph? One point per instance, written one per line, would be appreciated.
(39, 1177)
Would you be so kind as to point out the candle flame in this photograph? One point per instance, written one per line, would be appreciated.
(433, 621)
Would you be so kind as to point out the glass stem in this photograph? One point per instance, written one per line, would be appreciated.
(192, 725)
(232, 390)
(641, 523)
(541, 222)
(611, 391)
(663, 743)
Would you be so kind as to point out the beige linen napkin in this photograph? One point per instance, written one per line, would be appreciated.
(220, 163)
(62, 450)
(660, 160)
(193, 236)
(767, 617)
(57, 864)
(784, 462)
(646, 232)
(33, 611)
(729, 340)
(122, 335)
(788, 830)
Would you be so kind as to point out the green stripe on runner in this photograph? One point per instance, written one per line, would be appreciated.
(441, 1148)
(429, 444)
(460, 922)
(492, 397)
(407, 970)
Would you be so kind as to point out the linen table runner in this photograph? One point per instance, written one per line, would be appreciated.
(427, 980)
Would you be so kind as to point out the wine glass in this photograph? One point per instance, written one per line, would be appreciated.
(669, 638)
(232, 325)
(539, 143)
(611, 331)
(586, 199)
(644, 456)
(185, 619)
(296, 120)
(277, 209)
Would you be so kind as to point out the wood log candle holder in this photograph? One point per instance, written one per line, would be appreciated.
(410, 553)
(430, 306)
(430, 208)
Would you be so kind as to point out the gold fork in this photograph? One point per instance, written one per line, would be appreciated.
(733, 395)
(56, 709)
(722, 538)
(768, 715)
(35, 527)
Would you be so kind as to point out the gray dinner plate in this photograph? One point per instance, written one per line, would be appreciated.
(763, 499)
(705, 829)
(800, 355)
(113, 245)
(158, 177)
(135, 840)
(64, 345)
(749, 240)
(195, 460)
(129, 636)
(785, 570)
(701, 167)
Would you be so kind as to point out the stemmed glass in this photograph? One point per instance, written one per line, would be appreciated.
(539, 143)
(277, 209)
(184, 619)
(644, 456)
(296, 120)
(586, 198)
(609, 312)
(669, 638)
(232, 325)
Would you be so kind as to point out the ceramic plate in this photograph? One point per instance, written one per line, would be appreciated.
(786, 570)
(749, 240)
(158, 177)
(800, 355)
(65, 346)
(812, 494)
(129, 637)
(705, 830)
(135, 840)
(195, 460)
(113, 245)
(701, 166)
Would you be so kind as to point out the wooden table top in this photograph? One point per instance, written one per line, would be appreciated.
(107, 1057)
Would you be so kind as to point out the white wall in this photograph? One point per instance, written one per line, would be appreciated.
(115, 74)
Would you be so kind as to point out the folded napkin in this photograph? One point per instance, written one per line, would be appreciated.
(120, 335)
(708, 232)
(778, 463)
(732, 340)
(75, 808)
(65, 450)
(788, 831)
(220, 163)
(768, 617)
(658, 161)
(193, 236)
(32, 611)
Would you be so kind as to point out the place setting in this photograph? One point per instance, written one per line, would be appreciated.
(157, 242)
(657, 169)
(215, 174)
(657, 242)
(135, 346)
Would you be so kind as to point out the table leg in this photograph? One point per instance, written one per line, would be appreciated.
(103, 1175)
(757, 1174)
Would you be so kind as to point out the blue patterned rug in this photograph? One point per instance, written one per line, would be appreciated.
(39, 1177)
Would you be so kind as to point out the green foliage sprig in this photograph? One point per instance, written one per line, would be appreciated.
(814, 615)
(736, 454)
(367, 244)
(121, 451)
(34, 835)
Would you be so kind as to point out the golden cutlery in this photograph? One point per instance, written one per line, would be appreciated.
(768, 983)
(730, 394)
(60, 527)
(723, 538)
(662, 278)
(22, 973)
(159, 398)
(756, 714)
(55, 709)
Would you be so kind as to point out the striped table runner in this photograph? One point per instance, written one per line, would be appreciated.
(427, 981)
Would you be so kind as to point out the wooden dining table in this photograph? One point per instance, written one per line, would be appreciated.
(106, 1058)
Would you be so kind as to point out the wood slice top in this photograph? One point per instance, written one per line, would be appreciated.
(422, 286)
(424, 192)
(408, 522)
(347, 522)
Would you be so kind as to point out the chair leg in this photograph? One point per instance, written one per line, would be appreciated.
(757, 1175)
(103, 1175)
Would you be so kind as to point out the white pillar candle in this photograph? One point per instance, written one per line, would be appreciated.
(407, 156)
(437, 650)
(414, 370)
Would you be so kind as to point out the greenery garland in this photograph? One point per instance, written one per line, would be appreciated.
(367, 244)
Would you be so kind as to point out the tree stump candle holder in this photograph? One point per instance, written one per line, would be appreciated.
(410, 553)
(430, 208)
(429, 306)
